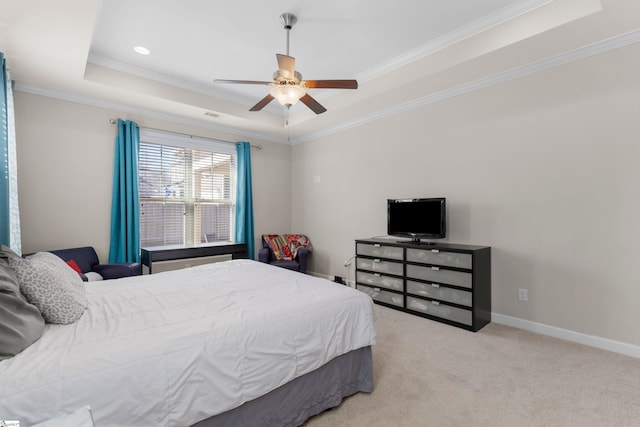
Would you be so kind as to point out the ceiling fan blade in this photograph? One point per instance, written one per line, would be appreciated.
(331, 84)
(312, 104)
(244, 82)
(262, 103)
(286, 66)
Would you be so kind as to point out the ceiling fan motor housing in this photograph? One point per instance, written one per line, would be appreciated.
(281, 79)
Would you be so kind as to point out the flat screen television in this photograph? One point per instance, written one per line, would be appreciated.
(417, 218)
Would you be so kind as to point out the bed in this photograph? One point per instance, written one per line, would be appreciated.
(236, 343)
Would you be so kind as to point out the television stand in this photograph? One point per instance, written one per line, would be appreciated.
(418, 242)
(446, 282)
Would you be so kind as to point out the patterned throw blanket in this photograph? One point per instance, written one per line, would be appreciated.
(285, 246)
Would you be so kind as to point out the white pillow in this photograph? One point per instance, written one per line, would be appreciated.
(52, 286)
(78, 418)
(92, 276)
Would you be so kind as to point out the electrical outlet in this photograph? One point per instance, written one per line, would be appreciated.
(523, 294)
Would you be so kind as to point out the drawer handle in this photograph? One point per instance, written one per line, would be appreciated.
(435, 268)
(376, 289)
(376, 260)
(435, 285)
(435, 251)
(435, 303)
(376, 245)
(376, 274)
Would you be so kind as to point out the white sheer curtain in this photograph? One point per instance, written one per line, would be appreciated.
(10, 164)
(14, 210)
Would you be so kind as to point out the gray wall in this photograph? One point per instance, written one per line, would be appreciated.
(544, 169)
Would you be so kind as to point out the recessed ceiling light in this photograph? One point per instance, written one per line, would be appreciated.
(142, 50)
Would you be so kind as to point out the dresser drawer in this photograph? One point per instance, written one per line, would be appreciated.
(379, 265)
(378, 294)
(376, 279)
(437, 257)
(457, 278)
(379, 250)
(444, 311)
(439, 292)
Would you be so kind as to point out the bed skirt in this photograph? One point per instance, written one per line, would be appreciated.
(295, 402)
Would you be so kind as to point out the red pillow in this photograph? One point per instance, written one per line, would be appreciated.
(71, 263)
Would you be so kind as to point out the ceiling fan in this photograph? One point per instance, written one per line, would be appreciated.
(288, 86)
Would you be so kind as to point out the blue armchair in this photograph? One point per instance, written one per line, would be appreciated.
(87, 260)
(297, 263)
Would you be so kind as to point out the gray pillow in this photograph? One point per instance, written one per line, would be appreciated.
(59, 264)
(21, 323)
(52, 286)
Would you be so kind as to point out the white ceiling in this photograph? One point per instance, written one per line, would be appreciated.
(197, 41)
(83, 50)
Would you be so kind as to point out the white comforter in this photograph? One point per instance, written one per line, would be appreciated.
(174, 348)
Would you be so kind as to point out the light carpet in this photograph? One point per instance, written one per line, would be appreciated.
(431, 374)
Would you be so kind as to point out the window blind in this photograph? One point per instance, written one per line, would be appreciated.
(187, 189)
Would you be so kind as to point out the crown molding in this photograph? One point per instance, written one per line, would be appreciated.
(580, 53)
(113, 64)
(120, 108)
(501, 16)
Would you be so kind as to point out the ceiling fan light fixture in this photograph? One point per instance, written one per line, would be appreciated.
(288, 86)
(287, 95)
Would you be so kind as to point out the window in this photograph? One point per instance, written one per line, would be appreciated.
(187, 189)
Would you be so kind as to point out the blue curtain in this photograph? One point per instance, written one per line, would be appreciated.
(125, 203)
(244, 199)
(9, 212)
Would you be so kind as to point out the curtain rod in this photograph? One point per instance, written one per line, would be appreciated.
(259, 147)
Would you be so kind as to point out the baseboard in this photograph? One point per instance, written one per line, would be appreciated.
(565, 334)
(551, 331)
